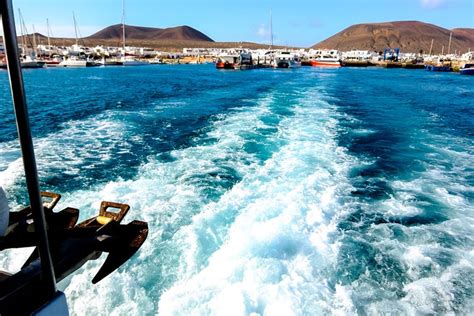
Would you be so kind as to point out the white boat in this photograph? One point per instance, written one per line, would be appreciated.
(72, 62)
(132, 61)
(326, 61)
(156, 61)
(29, 62)
(53, 62)
(286, 60)
(76, 62)
(326, 58)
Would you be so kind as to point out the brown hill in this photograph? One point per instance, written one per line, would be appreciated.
(410, 36)
(161, 44)
(179, 33)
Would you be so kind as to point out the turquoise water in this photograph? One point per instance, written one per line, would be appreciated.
(267, 192)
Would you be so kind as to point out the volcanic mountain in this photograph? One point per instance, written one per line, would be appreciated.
(410, 36)
(179, 33)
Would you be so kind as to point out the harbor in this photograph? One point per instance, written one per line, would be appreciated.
(76, 55)
(37, 51)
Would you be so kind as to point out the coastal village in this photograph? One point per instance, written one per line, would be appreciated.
(39, 51)
(44, 55)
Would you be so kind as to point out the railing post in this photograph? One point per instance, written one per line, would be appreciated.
(26, 143)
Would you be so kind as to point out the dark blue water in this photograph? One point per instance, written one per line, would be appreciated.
(301, 192)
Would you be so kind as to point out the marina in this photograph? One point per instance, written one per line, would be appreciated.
(233, 58)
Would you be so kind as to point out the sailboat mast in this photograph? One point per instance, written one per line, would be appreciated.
(123, 25)
(431, 47)
(47, 27)
(75, 26)
(48, 279)
(449, 45)
(271, 29)
(22, 34)
(34, 41)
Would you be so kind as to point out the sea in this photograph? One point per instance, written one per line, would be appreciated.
(267, 192)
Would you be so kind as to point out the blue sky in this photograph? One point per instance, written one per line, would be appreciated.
(297, 23)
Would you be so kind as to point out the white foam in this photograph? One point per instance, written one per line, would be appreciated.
(271, 259)
(262, 247)
(436, 258)
(167, 196)
(268, 245)
(66, 150)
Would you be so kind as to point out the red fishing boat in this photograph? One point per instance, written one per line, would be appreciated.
(326, 58)
(229, 61)
(326, 61)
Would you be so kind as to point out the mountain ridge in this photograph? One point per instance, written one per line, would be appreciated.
(178, 33)
(410, 36)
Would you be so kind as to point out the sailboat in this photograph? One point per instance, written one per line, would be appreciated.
(28, 58)
(128, 60)
(50, 60)
(61, 244)
(75, 61)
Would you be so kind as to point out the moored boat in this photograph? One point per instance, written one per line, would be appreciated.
(28, 62)
(228, 61)
(52, 62)
(156, 61)
(76, 62)
(438, 68)
(286, 60)
(467, 69)
(325, 61)
(246, 61)
(326, 58)
(132, 61)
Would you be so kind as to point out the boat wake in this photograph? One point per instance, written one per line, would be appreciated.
(264, 210)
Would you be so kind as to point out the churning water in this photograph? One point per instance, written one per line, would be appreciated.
(307, 192)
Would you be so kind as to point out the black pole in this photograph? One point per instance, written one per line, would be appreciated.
(26, 143)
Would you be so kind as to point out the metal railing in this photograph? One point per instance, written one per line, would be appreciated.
(24, 132)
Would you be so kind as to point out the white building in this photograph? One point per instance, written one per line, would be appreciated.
(467, 56)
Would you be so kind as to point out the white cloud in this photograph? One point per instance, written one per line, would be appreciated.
(432, 4)
(263, 31)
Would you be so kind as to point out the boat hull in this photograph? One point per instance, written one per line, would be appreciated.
(113, 63)
(287, 64)
(73, 63)
(32, 64)
(321, 63)
(220, 65)
(52, 63)
(438, 68)
(467, 71)
(134, 63)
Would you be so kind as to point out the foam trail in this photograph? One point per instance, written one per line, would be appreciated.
(274, 230)
(260, 211)
(166, 195)
(248, 213)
